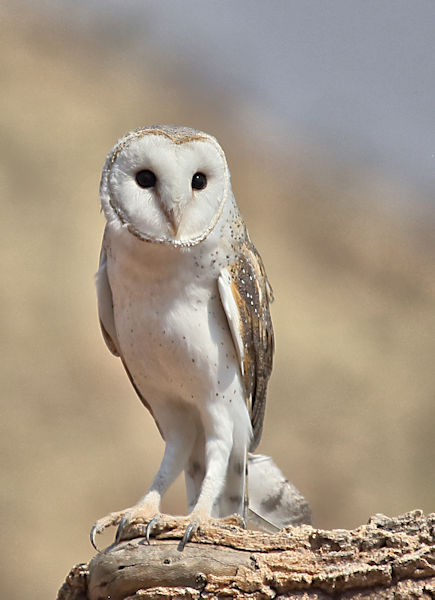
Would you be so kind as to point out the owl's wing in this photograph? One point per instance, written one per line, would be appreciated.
(105, 306)
(107, 322)
(245, 295)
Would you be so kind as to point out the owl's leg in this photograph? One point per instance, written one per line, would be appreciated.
(179, 442)
(195, 471)
(147, 510)
(218, 431)
(232, 498)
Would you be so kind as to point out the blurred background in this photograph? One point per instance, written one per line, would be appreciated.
(326, 113)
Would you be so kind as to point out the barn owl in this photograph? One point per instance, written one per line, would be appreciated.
(183, 300)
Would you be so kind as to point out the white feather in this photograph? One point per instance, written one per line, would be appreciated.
(232, 313)
(105, 306)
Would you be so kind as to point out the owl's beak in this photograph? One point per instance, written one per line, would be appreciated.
(174, 216)
(172, 204)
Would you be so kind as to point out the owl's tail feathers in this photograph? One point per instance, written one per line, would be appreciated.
(274, 502)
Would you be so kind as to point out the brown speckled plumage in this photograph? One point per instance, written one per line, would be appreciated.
(253, 294)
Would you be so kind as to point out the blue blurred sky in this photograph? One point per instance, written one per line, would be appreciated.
(354, 76)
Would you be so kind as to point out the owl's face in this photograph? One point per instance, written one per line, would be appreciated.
(166, 185)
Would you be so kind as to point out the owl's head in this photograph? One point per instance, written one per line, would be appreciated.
(166, 184)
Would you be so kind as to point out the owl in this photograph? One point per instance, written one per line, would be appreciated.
(183, 301)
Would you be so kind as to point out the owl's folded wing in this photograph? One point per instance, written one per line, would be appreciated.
(245, 295)
(107, 323)
(105, 306)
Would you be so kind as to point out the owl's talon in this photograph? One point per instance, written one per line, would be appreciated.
(187, 537)
(119, 529)
(92, 535)
(150, 526)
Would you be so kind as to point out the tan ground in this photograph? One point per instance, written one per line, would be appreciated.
(351, 404)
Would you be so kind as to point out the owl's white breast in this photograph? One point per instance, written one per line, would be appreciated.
(171, 327)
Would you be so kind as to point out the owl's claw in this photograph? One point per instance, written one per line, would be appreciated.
(187, 537)
(150, 526)
(92, 535)
(123, 522)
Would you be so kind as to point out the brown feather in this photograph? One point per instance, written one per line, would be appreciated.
(253, 294)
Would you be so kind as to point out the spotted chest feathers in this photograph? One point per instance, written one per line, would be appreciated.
(172, 329)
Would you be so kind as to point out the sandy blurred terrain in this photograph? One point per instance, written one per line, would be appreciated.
(351, 403)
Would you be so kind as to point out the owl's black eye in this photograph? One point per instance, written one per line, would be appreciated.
(199, 181)
(145, 178)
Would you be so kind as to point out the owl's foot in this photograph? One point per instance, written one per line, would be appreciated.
(137, 522)
(136, 515)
